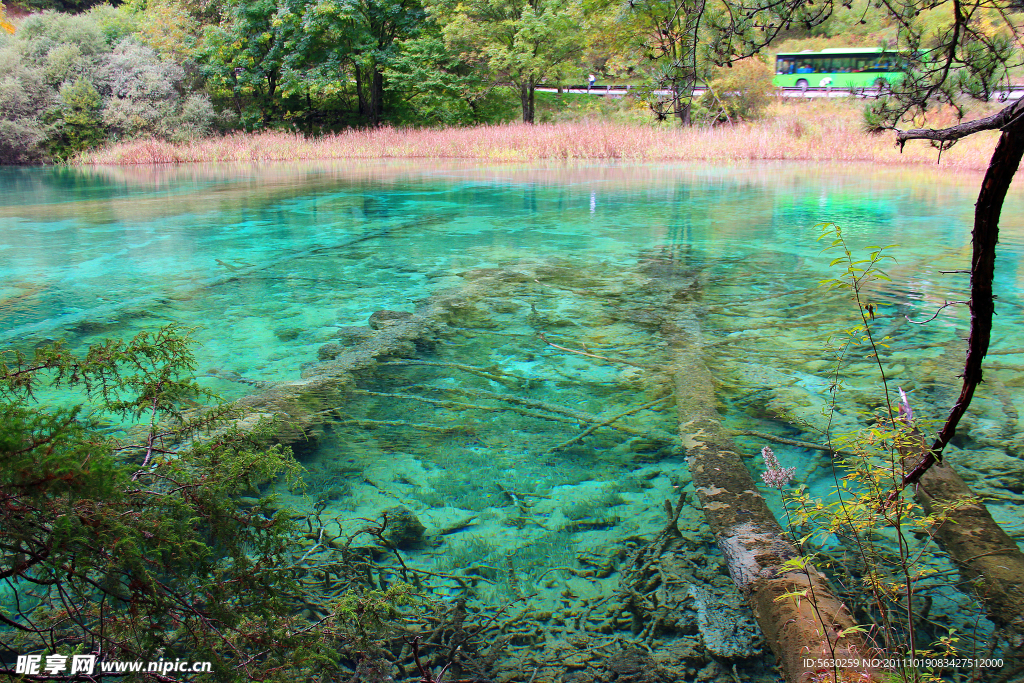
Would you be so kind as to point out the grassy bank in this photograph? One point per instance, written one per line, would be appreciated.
(820, 131)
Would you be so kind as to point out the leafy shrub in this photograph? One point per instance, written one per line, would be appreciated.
(195, 119)
(139, 548)
(115, 23)
(21, 142)
(69, 83)
(78, 120)
(740, 93)
(41, 33)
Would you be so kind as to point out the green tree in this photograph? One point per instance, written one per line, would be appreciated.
(245, 55)
(79, 124)
(521, 42)
(264, 52)
(667, 34)
(437, 85)
(139, 547)
(382, 23)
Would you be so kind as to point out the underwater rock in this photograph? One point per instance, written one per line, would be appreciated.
(726, 624)
(495, 273)
(351, 334)
(990, 471)
(336, 492)
(287, 334)
(329, 351)
(633, 665)
(646, 317)
(465, 313)
(986, 432)
(385, 318)
(631, 378)
(404, 529)
(95, 326)
(681, 655)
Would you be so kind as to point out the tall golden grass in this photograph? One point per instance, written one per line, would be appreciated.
(794, 131)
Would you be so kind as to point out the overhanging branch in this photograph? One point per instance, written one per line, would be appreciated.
(1005, 160)
(997, 121)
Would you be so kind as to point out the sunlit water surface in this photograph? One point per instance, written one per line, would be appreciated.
(268, 263)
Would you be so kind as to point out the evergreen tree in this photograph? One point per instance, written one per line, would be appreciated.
(139, 547)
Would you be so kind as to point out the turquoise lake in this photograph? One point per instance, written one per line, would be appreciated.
(279, 268)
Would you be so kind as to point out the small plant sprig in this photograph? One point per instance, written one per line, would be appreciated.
(879, 532)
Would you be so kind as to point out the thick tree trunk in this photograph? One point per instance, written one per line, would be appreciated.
(684, 107)
(376, 95)
(364, 107)
(270, 114)
(1005, 160)
(526, 99)
(798, 628)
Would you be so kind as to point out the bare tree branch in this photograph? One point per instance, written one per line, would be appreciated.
(1005, 160)
(1002, 118)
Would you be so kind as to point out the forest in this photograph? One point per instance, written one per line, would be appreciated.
(79, 74)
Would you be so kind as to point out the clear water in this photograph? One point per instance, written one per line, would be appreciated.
(267, 263)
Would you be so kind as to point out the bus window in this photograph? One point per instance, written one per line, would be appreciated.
(842, 65)
(784, 66)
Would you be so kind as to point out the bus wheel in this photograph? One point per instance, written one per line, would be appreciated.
(802, 84)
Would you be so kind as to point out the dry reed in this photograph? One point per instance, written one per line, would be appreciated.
(827, 132)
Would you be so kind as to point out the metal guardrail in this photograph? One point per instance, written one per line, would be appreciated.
(809, 93)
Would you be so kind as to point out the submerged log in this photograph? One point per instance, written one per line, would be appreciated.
(797, 611)
(990, 562)
(302, 406)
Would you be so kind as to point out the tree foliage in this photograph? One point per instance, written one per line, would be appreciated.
(441, 87)
(70, 82)
(139, 547)
(668, 34)
(521, 42)
(739, 93)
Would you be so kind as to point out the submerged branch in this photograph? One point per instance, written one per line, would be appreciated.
(371, 424)
(783, 440)
(487, 373)
(456, 405)
(604, 423)
(594, 355)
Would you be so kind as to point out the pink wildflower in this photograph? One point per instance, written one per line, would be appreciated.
(775, 475)
(906, 412)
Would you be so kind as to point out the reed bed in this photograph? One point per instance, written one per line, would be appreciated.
(804, 131)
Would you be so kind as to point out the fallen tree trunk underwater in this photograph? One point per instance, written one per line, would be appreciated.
(800, 616)
(756, 548)
(990, 562)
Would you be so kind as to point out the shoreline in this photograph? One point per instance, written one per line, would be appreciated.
(816, 133)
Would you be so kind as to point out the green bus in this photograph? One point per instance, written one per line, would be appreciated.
(837, 67)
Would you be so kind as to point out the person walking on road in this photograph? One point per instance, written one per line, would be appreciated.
(590, 82)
